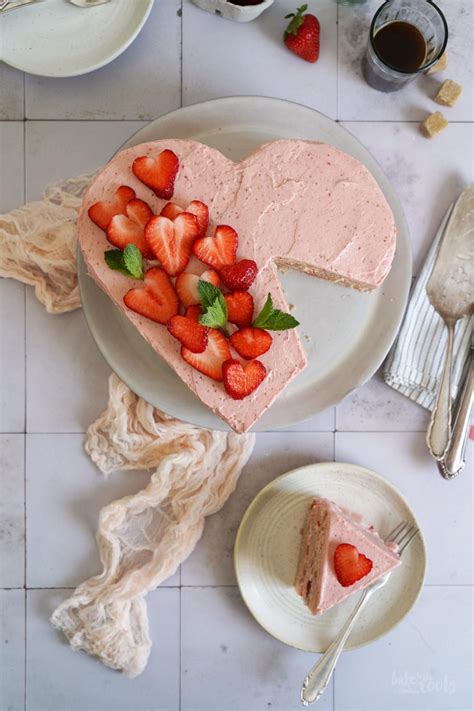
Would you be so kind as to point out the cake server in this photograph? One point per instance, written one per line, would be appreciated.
(450, 291)
(319, 676)
(455, 457)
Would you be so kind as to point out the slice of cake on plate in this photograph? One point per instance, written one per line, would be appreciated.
(339, 556)
(187, 244)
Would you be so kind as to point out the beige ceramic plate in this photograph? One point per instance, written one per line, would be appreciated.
(346, 334)
(267, 548)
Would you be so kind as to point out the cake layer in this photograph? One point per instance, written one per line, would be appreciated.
(301, 203)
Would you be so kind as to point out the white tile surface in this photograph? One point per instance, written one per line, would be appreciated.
(358, 101)
(69, 396)
(64, 486)
(423, 664)
(12, 174)
(12, 356)
(322, 422)
(443, 508)
(223, 58)
(229, 663)
(62, 680)
(274, 454)
(144, 82)
(12, 511)
(375, 407)
(12, 105)
(56, 150)
(12, 650)
(427, 175)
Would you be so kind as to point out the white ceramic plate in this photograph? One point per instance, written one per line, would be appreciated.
(54, 38)
(346, 333)
(267, 548)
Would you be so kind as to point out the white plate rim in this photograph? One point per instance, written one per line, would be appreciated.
(92, 67)
(403, 244)
(321, 466)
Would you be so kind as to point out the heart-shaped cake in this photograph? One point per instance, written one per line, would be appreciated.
(294, 203)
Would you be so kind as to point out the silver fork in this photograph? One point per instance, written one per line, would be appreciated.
(319, 676)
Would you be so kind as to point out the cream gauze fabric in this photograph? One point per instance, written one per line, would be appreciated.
(142, 539)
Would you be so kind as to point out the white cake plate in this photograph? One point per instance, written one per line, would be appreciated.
(268, 543)
(346, 334)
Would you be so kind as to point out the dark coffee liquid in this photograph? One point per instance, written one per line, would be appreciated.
(401, 46)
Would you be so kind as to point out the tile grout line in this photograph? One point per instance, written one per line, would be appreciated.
(180, 632)
(25, 374)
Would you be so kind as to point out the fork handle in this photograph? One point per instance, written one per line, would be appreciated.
(439, 431)
(318, 678)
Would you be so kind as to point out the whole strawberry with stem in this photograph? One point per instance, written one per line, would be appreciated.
(302, 34)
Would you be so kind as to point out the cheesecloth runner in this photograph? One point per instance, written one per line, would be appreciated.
(143, 538)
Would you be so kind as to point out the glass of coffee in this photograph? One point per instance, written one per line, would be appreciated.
(406, 37)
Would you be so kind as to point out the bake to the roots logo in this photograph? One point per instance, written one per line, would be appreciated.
(423, 683)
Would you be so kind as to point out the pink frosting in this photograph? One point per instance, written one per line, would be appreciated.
(292, 200)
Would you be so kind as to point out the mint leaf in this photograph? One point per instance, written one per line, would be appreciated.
(209, 293)
(133, 261)
(128, 262)
(215, 316)
(272, 319)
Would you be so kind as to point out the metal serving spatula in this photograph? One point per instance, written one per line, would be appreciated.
(450, 290)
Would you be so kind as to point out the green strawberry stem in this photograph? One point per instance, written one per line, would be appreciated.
(297, 20)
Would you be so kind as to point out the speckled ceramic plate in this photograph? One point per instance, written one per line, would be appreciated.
(267, 548)
(54, 38)
(346, 333)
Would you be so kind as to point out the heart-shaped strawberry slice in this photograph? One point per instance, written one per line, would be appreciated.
(171, 241)
(196, 207)
(129, 228)
(350, 565)
(187, 285)
(156, 299)
(102, 212)
(189, 333)
(239, 276)
(219, 250)
(240, 308)
(239, 380)
(158, 173)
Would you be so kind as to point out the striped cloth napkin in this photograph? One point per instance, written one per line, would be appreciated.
(414, 365)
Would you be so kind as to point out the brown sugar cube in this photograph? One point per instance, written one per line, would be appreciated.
(448, 93)
(433, 124)
(440, 65)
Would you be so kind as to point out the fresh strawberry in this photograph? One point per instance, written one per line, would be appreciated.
(219, 250)
(102, 212)
(239, 276)
(196, 207)
(350, 565)
(128, 228)
(239, 380)
(187, 285)
(171, 241)
(251, 342)
(239, 308)
(158, 173)
(194, 312)
(189, 333)
(302, 34)
(156, 299)
(210, 361)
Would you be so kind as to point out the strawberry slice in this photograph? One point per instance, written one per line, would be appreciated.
(187, 285)
(171, 241)
(129, 228)
(350, 565)
(219, 250)
(251, 342)
(193, 312)
(239, 308)
(239, 276)
(189, 333)
(158, 173)
(102, 212)
(196, 207)
(210, 361)
(156, 299)
(239, 380)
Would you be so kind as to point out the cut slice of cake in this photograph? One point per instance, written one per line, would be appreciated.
(339, 556)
